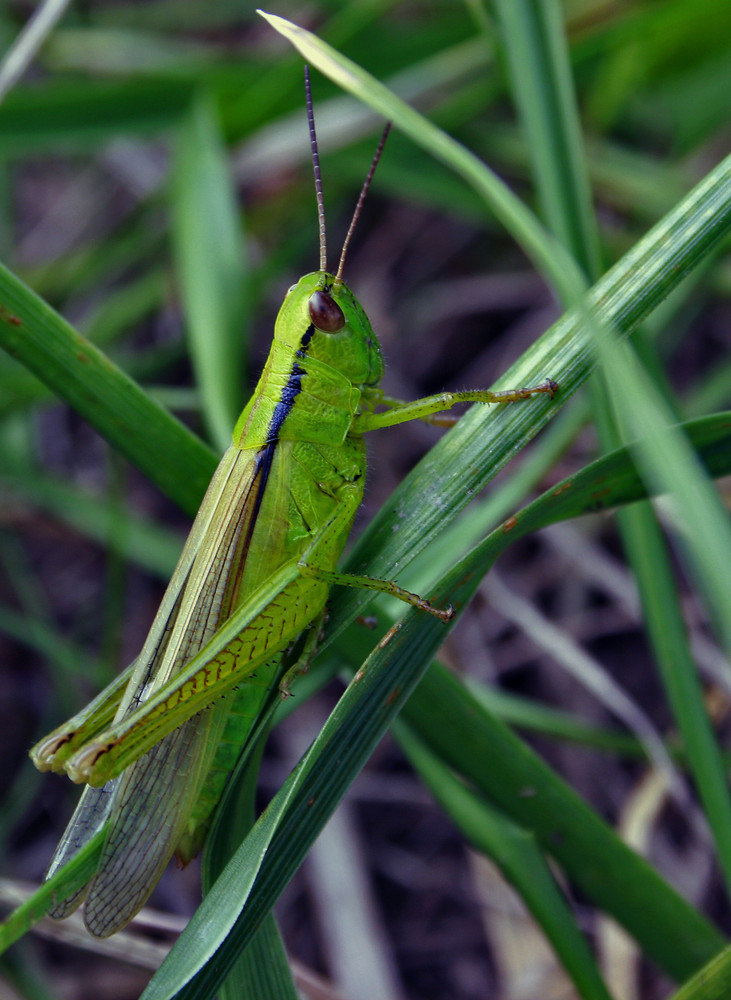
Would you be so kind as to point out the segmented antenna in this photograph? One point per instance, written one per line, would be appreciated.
(361, 199)
(316, 169)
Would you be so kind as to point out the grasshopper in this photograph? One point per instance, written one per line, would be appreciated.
(259, 561)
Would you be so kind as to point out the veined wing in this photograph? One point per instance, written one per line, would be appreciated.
(235, 474)
(150, 810)
(90, 814)
(95, 805)
(157, 793)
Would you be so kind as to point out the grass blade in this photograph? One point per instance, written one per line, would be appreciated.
(208, 248)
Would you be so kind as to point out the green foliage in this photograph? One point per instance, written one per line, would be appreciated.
(612, 104)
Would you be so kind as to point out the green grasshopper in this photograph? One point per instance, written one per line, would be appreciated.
(254, 574)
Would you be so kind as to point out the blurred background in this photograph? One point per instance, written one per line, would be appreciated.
(101, 141)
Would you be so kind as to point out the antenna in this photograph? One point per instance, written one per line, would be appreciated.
(361, 199)
(316, 169)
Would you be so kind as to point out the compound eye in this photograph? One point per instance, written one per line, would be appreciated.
(325, 313)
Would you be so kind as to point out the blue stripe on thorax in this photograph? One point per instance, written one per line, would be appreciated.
(291, 390)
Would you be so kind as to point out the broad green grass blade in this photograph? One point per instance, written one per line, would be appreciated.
(218, 913)
(541, 77)
(540, 73)
(519, 857)
(647, 553)
(507, 772)
(511, 212)
(484, 439)
(670, 923)
(119, 409)
(211, 266)
(671, 931)
(262, 971)
(695, 508)
(608, 482)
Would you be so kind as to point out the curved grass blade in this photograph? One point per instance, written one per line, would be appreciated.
(675, 934)
(651, 270)
(213, 280)
(548, 255)
(121, 411)
(64, 883)
(519, 858)
(232, 912)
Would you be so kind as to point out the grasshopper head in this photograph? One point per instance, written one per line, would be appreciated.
(322, 318)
